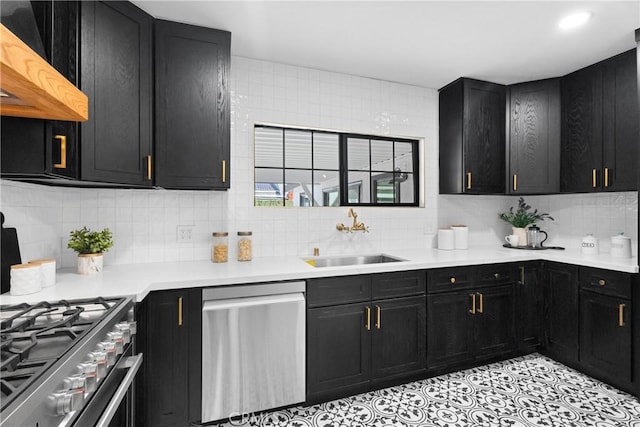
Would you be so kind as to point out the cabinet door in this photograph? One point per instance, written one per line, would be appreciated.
(494, 321)
(192, 106)
(117, 76)
(561, 306)
(166, 390)
(534, 137)
(581, 157)
(484, 137)
(620, 123)
(449, 329)
(399, 336)
(605, 336)
(338, 347)
(529, 307)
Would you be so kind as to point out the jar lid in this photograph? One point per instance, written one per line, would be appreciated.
(42, 261)
(18, 266)
(220, 234)
(244, 233)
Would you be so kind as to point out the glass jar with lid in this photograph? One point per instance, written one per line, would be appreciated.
(220, 248)
(244, 245)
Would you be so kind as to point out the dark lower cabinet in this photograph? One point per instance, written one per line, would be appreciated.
(117, 76)
(170, 393)
(529, 307)
(192, 106)
(561, 312)
(606, 326)
(354, 347)
(338, 347)
(470, 314)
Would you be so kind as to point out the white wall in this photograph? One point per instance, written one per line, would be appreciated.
(144, 221)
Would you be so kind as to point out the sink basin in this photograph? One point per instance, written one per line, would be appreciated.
(339, 261)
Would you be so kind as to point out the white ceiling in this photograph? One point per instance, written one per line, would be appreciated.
(424, 43)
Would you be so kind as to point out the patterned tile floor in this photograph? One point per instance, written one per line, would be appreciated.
(527, 391)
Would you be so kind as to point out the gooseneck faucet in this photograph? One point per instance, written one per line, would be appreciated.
(355, 226)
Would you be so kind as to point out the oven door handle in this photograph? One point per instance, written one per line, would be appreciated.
(133, 363)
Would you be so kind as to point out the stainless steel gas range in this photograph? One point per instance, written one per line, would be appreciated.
(68, 363)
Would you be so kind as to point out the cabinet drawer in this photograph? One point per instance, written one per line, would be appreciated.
(497, 274)
(449, 279)
(606, 282)
(406, 283)
(338, 290)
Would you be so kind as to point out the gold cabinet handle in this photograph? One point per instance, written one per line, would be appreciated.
(621, 315)
(368, 326)
(594, 179)
(452, 280)
(515, 182)
(378, 317)
(468, 180)
(180, 311)
(149, 168)
(480, 304)
(601, 282)
(522, 275)
(224, 171)
(473, 304)
(63, 152)
(606, 177)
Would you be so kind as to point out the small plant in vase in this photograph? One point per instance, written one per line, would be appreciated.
(521, 218)
(90, 245)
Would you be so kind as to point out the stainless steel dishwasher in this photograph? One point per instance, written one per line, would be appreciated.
(253, 348)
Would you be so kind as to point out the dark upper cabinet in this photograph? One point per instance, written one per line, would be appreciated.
(192, 106)
(534, 137)
(472, 137)
(620, 125)
(33, 147)
(170, 339)
(117, 76)
(561, 312)
(600, 127)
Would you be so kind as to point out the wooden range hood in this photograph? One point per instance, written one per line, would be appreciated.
(32, 88)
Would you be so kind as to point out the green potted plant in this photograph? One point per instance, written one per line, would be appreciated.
(521, 218)
(90, 245)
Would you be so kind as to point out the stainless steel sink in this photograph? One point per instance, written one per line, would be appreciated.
(339, 261)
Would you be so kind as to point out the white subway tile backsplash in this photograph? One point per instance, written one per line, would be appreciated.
(144, 221)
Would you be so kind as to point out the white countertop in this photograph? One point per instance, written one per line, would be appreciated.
(140, 279)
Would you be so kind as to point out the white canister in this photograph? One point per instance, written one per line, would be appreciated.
(26, 279)
(460, 236)
(590, 245)
(446, 239)
(621, 246)
(48, 271)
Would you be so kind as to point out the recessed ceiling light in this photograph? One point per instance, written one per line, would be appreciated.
(574, 20)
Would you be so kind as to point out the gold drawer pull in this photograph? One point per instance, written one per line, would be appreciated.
(224, 171)
(180, 311)
(522, 275)
(149, 170)
(621, 315)
(63, 152)
(473, 304)
(594, 179)
(515, 182)
(606, 177)
(468, 180)
(368, 326)
(601, 282)
(452, 280)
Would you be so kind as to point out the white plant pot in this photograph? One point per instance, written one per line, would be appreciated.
(522, 235)
(90, 263)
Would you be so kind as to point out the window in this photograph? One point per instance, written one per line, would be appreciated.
(304, 167)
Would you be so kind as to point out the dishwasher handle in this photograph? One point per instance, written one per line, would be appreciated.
(253, 290)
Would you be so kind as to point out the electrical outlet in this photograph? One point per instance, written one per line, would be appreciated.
(184, 233)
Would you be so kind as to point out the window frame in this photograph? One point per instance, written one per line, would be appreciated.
(343, 185)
